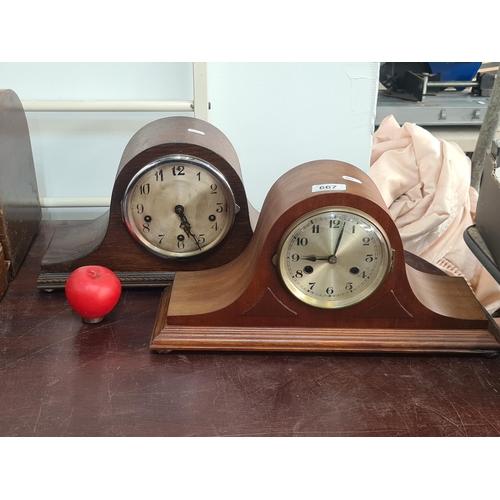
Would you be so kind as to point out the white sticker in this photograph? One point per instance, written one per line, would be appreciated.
(353, 179)
(328, 187)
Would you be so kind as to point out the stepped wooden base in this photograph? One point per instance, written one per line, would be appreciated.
(326, 340)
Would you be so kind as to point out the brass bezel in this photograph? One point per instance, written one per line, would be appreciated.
(384, 265)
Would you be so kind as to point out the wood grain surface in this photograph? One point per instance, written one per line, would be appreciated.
(20, 211)
(61, 377)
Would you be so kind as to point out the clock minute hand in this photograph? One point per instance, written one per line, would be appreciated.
(185, 225)
(338, 240)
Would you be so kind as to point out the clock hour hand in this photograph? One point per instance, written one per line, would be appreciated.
(312, 258)
(185, 225)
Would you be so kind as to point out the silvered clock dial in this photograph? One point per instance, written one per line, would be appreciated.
(179, 206)
(334, 257)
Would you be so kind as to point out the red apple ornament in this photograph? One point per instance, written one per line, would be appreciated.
(92, 292)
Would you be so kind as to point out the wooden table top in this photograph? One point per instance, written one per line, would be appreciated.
(62, 377)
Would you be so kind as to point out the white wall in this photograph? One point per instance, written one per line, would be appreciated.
(277, 115)
(77, 154)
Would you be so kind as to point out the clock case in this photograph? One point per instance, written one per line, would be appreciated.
(106, 241)
(20, 210)
(244, 305)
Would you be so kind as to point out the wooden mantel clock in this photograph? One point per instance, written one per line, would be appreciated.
(325, 271)
(178, 203)
(20, 211)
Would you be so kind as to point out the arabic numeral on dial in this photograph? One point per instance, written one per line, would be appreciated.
(311, 286)
(180, 244)
(315, 228)
(334, 223)
(299, 274)
(213, 189)
(369, 258)
(145, 189)
(145, 227)
(302, 242)
(160, 236)
(159, 175)
(221, 208)
(348, 287)
(215, 227)
(329, 290)
(295, 257)
(201, 239)
(366, 241)
(178, 170)
(140, 208)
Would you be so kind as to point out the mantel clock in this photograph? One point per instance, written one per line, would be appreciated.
(178, 203)
(324, 271)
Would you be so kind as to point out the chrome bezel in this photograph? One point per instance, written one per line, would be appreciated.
(178, 159)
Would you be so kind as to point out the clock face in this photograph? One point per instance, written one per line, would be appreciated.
(334, 257)
(179, 206)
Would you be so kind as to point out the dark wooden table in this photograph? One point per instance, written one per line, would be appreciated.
(61, 377)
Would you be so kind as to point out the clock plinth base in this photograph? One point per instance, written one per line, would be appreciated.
(171, 337)
(327, 340)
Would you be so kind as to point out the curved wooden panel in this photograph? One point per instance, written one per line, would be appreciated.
(20, 211)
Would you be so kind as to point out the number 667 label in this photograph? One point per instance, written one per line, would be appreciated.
(328, 187)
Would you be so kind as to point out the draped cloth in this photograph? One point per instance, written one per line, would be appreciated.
(425, 183)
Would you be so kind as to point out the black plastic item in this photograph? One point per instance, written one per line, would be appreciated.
(483, 238)
(391, 74)
(475, 242)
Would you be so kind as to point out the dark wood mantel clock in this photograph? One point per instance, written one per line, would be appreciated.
(178, 203)
(20, 211)
(325, 271)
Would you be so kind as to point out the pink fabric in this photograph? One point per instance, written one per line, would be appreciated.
(425, 182)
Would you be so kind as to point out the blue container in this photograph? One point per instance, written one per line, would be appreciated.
(462, 71)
